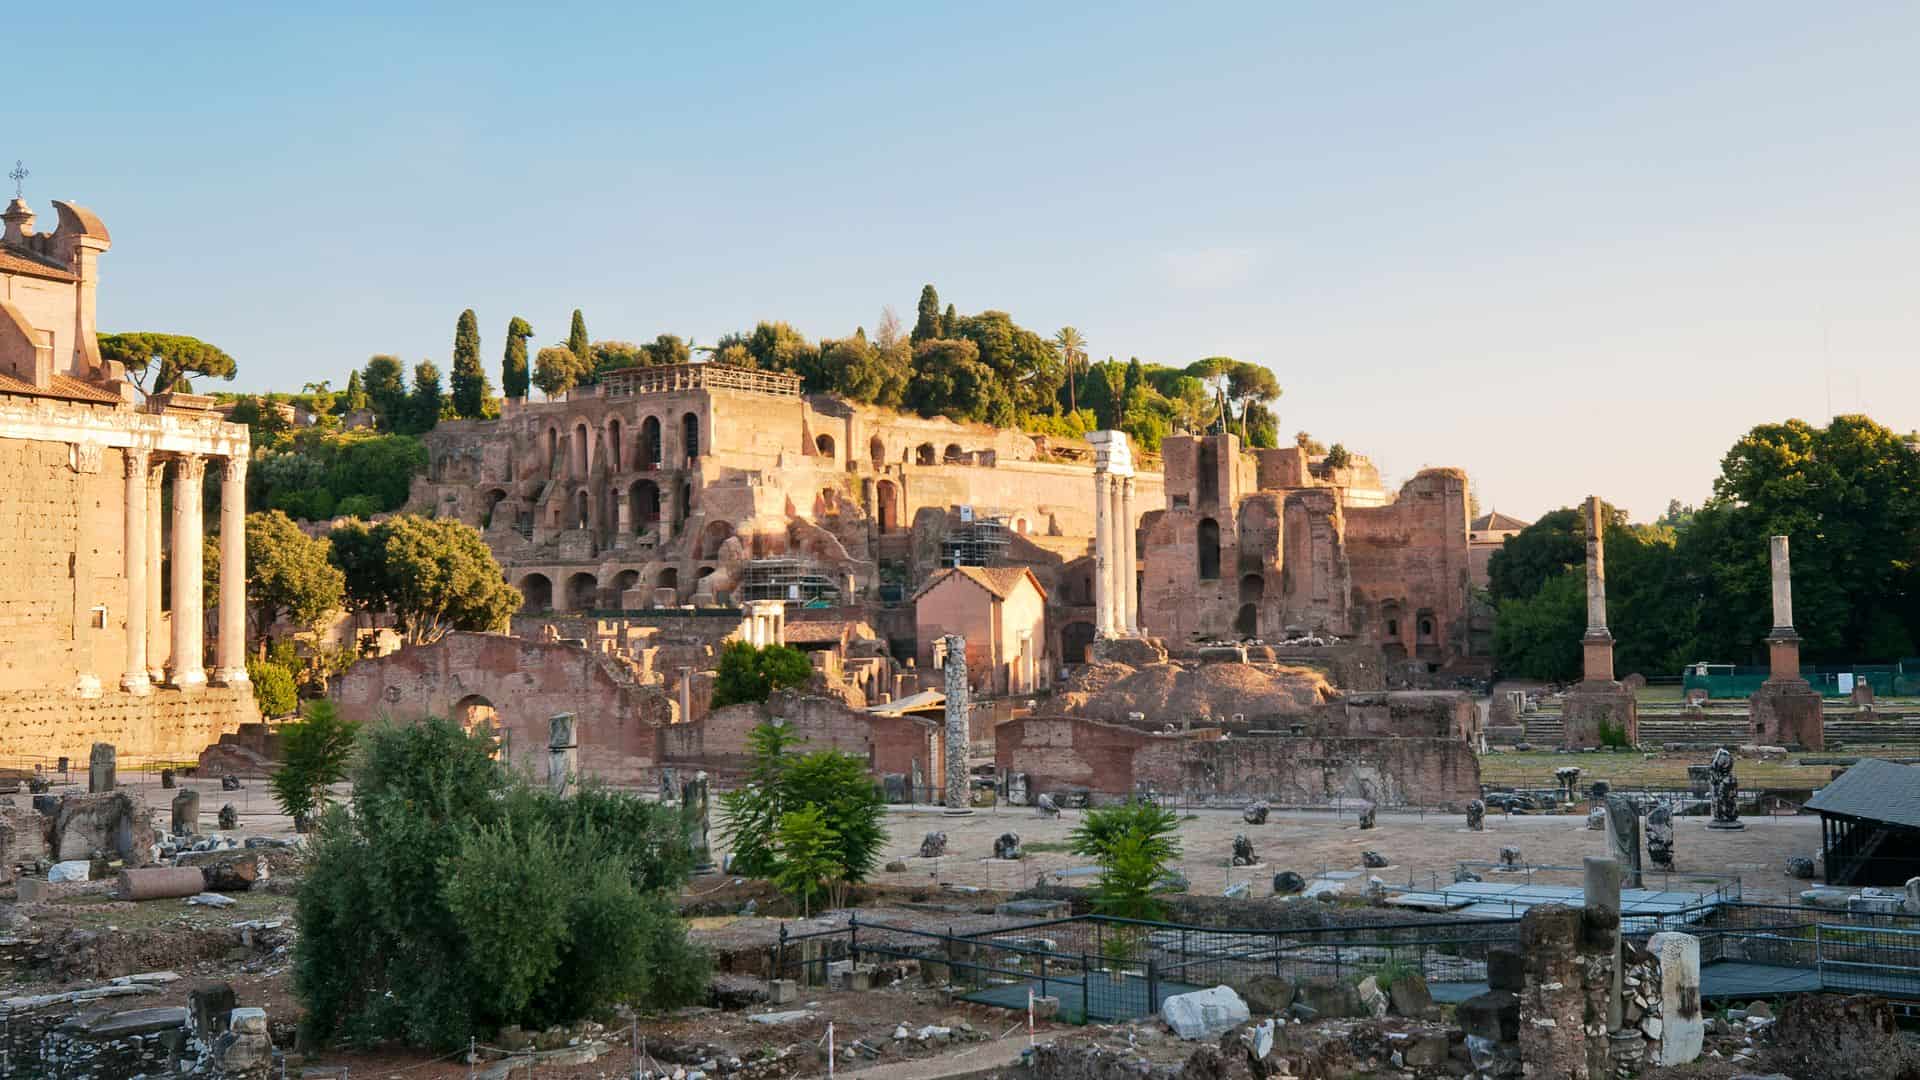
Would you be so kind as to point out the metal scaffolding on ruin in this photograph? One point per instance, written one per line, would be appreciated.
(981, 543)
(789, 579)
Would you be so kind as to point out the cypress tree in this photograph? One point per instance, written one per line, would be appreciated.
(927, 324)
(426, 401)
(356, 396)
(513, 370)
(577, 341)
(469, 379)
(950, 322)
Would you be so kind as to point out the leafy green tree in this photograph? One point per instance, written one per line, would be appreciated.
(321, 397)
(949, 322)
(450, 899)
(1339, 457)
(157, 363)
(752, 811)
(805, 862)
(315, 751)
(356, 394)
(513, 366)
(427, 401)
(385, 382)
(379, 467)
(1538, 635)
(577, 342)
(267, 427)
(472, 396)
(616, 356)
(288, 573)
(273, 687)
(749, 674)
(950, 380)
(361, 557)
(1253, 387)
(1538, 552)
(926, 324)
(779, 782)
(556, 370)
(1026, 366)
(667, 349)
(439, 575)
(1134, 844)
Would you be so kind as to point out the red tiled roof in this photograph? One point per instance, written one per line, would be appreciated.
(826, 631)
(998, 580)
(15, 261)
(1498, 522)
(65, 387)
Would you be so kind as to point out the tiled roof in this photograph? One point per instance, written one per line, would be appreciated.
(825, 631)
(1873, 789)
(998, 580)
(15, 261)
(1497, 522)
(65, 387)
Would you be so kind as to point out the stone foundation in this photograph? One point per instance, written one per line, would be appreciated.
(1591, 705)
(1787, 712)
(165, 725)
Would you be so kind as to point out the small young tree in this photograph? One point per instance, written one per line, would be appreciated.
(1133, 842)
(314, 753)
(837, 785)
(754, 809)
(273, 688)
(806, 859)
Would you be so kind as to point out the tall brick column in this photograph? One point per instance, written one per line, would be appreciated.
(230, 647)
(189, 669)
(156, 616)
(1786, 710)
(1600, 702)
(136, 680)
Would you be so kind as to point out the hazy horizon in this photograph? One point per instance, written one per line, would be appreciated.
(1571, 250)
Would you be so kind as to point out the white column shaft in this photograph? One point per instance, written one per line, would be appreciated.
(155, 526)
(1129, 561)
(1782, 585)
(136, 680)
(189, 618)
(1102, 544)
(231, 646)
(1596, 566)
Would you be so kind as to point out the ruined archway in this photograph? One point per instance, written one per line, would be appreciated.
(613, 444)
(553, 449)
(888, 509)
(583, 592)
(712, 537)
(824, 446)
(1075, 639)
(474, 713)
(923, 454)
(954, 455)
(488, 503)
(877, 450)
(622, 582)
(650, 443)
(1252, 588)
(582, 509)
(1246, 622)
(581, 449)
(1207, 549)
(536, 591)
(690, 435)
(668, 578)
(644, 499)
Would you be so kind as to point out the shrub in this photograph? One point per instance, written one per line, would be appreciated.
(314, 753)
(806, 864)
(834, 785)
(748, 674)
(273, 687)
(1133, 842)
(450, 899)
(357, 506)
(1613, 735)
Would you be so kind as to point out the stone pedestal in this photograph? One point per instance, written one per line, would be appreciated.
(1592, 705)
(186, 812)
(959, 736)
(1682, 1028)
(562, 752)
(101, 768)
(1787, 712)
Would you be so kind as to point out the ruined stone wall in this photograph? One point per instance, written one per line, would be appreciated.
(1409, 567)
(525, 683)
(63, 557)
(163, 726)
(1070, 752)
(1406, 714)
(718, 742)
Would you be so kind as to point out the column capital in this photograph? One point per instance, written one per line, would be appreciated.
(234, 467)
(192, 466)
(138, 462)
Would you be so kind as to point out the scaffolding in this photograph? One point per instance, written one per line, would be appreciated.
(793, 580)
(980, 542)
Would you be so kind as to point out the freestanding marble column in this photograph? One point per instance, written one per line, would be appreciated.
(1130, 577)
(959, 739)
(156, 618)
(1116, 555)
(1102, 571)
(1785, 710)
(1600, 709)
(563, 752)
(189, 669)
(231, 647)
(136, 679)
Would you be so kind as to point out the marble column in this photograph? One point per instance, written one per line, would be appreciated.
(959, 736)
(1597, 644)
(136, 679)
(156, 616)
(1782, 586)
(1130, 559)
(189, 653)
(1116, 558)
(1102, 543)
(230, 648)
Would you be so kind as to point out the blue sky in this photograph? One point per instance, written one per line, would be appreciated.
(1572, 249)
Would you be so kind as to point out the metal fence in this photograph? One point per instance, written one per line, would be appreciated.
(1739, 681)
(1104, 969)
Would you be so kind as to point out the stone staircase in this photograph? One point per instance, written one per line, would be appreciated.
(1672, 728)
(1901, 731)
(1694, 733)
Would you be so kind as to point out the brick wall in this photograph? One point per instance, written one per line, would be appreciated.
(61, 553)
(165, 725)
(718, 743)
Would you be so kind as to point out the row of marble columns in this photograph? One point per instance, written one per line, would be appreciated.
(1115, 562)
(146, 472)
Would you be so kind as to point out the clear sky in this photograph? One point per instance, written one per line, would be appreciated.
(1574, 248)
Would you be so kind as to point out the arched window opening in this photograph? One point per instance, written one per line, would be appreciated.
(583, 507)
(580, 451)
(650, 443)
(1252, 588)
(537, 592)
(955, 455)
(877, 450)
(824, 446)
(923, 454)
(644, 498)
(690, 435)
(583, 592)
(889, 508)
(1209, 549)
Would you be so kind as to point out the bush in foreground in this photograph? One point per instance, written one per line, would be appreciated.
(451, 899)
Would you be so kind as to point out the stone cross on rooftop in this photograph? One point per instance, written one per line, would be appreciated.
(19, 177)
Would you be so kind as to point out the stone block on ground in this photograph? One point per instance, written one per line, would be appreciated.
(1680, 1028)
(1267, 995)
(782, 991)
(1331, 998)
(1372, 998)
(1494, 1016)
(1204, 1014)
(70, 870)
(1410, 996)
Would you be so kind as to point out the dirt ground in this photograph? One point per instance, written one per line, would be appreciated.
(1422, 849)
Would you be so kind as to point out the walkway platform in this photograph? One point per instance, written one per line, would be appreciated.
(1495, 899)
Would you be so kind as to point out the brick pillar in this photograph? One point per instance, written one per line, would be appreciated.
(189, 669)
(231, 646)
(136, 679)
(156, 617)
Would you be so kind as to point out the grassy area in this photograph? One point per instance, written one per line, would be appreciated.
(1041, 847)
(1632, 769)
(1659, 694)
(98, 911)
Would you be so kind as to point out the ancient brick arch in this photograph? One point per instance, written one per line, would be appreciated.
(524, 682)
